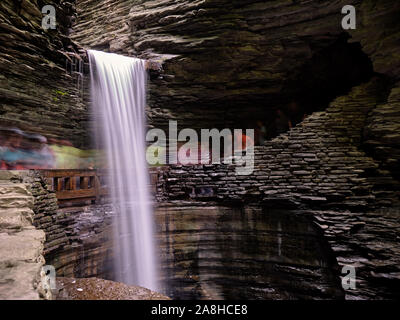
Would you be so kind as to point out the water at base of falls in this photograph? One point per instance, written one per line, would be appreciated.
(118, 87)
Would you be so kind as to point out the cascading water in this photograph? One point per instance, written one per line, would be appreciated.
(119, 99)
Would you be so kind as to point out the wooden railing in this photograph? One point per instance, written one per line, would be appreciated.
(73, 186)
(76, 185)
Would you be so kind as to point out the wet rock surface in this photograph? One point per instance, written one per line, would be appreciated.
(217, 252)
(367, 241)
(211, 251)
(99, 289)
(259, 252)
(86, 249)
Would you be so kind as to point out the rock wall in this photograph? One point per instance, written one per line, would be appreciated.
(46, 217)
(319, 169)
(319, 161)
(204, 242)
(234, 60)
(21, 244)
(222, 252)
(377, 31)
(228, 63)
(367, 241)
(88, 251)
(78, 239)
(203, 247)
(382, 133)
(223, 61)
(38, 93)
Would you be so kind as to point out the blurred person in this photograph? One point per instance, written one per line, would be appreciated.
(12, 154)
(91, 159)
(40, 156)
(3, 141)
(66, 155)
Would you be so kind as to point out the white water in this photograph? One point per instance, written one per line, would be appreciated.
(119, 100)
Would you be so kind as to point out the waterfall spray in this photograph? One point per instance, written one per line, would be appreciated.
(119, 100)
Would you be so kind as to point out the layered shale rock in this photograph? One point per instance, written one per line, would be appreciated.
(78, 239)
(224, 57)
(21, 244)
(382, 133)
(378, 32)
(219, 252)
(36, 91)
(225, 63)
(368, 242)
(87, 250)
(318, 162)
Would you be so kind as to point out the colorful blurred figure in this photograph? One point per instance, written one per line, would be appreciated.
(38, 154)
(11, 153)
(67, 156)
(24, 151)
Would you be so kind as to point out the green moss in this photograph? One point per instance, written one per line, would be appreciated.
(61, 93)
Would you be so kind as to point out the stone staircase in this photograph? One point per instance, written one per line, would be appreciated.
(21, 244)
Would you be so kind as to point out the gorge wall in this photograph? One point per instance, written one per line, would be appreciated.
(319, 161)
(299, 244)
(39, 88)
(319, 169)
(78, 239)
(232, 59)
(204, 253)
(225, 64)
(224, 252)
(237, 61)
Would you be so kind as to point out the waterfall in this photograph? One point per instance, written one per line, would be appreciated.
(118, 87)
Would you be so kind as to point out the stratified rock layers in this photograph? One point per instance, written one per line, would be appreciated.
(21, 245)
(382, 133)
(37, 93)
(320, 161)
(225, 58)
(217, 252)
